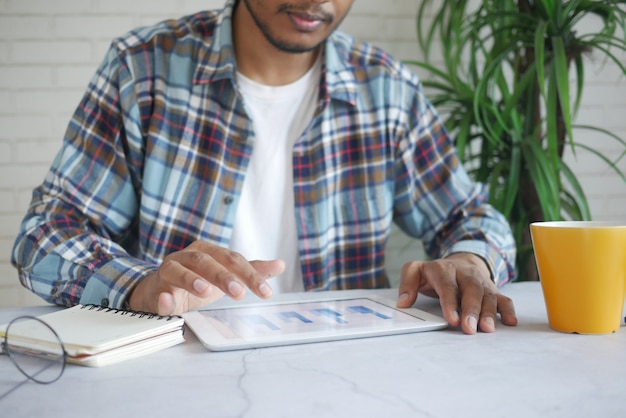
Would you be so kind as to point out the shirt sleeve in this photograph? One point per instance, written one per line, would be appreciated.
(76, 241)
(439, 204)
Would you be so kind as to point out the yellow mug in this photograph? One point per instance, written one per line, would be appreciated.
(582, 269)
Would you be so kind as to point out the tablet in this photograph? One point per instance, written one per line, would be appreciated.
(285, 323)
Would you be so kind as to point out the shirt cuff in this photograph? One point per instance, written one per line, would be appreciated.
(494, 260)
(110, 285)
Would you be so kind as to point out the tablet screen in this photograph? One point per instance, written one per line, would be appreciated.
(295, 318)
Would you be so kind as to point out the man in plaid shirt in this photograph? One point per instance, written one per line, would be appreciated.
(257, 147)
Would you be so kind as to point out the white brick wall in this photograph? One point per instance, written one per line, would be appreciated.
(50, 48)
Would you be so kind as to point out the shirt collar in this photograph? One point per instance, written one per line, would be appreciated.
(217, 61)
(340, 79)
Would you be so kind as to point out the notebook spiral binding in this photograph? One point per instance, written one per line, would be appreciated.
(131, 313)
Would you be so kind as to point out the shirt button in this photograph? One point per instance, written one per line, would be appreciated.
(228, 200)
(104, 303)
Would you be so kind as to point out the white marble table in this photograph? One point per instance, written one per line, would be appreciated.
(526, 371)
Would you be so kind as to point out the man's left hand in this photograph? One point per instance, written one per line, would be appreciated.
(467, 294)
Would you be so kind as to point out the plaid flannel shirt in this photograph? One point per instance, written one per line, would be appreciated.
(156, 153)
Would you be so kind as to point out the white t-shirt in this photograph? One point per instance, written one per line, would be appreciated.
(265, 224)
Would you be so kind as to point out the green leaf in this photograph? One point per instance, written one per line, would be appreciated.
(581, 206)
(580, 81)
(540, 42)
(606, 160)
(552, 119)
(561, 76)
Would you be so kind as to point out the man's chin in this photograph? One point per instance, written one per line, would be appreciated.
(294, 48)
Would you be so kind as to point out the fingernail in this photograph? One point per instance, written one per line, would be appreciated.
(490, 325)
(472, 322)
(455, 318)
(200, 285)
(404, 297)
(265, 290)
(235, 288)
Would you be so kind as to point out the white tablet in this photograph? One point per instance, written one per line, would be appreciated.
(284, 323)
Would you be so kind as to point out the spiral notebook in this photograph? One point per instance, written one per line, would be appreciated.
(96, 336)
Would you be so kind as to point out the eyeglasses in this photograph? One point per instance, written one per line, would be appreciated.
(40, 362)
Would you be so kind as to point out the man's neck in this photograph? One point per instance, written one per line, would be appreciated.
(259, 60)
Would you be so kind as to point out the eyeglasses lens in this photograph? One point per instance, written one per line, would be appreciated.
(42, 363)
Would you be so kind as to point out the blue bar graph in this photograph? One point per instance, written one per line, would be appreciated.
(330, 314)
(367, 311)
(288, 316)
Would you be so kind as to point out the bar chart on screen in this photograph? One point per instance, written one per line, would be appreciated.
(296, 317)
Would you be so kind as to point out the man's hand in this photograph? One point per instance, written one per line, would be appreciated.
(467, 294)
(198, 275)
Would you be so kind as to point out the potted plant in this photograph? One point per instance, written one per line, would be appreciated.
(509, 81)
